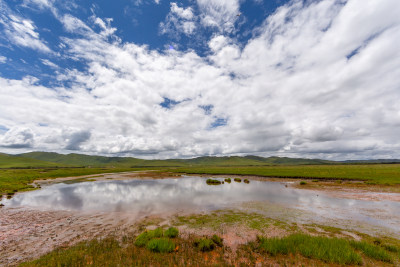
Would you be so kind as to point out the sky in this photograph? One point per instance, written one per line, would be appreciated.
(164, 79)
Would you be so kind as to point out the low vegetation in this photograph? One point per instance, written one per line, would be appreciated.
(213, 182)
(297, 249)
(238, 180)
(158, 240)
(246, 181)
(373, 251)
(380, 174)
(330, 250)
(228, 180)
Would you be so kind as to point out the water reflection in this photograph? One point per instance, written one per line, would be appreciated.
(193, 193)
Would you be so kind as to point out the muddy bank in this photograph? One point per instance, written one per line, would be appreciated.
(26, 234)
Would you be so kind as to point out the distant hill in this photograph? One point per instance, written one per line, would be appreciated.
(101, 161)
(13, 161)
(96, 161)
(49, 159)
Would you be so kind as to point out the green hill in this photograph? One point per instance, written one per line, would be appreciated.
(13, 161)
(81, 160)
(98, 161)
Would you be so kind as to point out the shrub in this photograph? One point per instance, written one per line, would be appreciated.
(213, 182)
(162, 245)
(228, 180)
(217, 240)
(171, 232)
(246, 181)
(303, 183)
(205, 244)
(238, 180)
(142, 239)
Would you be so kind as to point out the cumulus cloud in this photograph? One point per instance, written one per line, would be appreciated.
(315, 81)
(17, 137)
(3, 59)
(219, 14)
(21, 31)
(179, 20)
(76, 139)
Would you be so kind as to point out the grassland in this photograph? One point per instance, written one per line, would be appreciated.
(299, 249)
(13, 180)
(10, 161)
(383, 174)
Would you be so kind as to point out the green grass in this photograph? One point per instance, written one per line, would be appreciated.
(330, 250)
(148, 236)
(372, 251)
(12, 180)
(388, 174)
(11, 161)
(171, 232)
(303, 183)
(111, 252)
(161, 245)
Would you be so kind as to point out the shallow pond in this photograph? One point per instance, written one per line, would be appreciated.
(194, 194)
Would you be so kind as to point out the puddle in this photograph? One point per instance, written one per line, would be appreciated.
(193, 193)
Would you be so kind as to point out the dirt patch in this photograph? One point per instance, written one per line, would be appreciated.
(26, 234)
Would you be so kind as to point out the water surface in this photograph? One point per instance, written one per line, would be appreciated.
(193, 194)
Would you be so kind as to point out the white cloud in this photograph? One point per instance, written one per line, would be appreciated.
(184, 13)
(21, 31)
(3, 59)
(17, 138)
(49, 63)
(296, 89)
(219, 14)
(179, 20)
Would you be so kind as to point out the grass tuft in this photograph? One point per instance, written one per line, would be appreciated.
(303, 183)
(372, 251)
(330, 250)
(161, 245)
(217, 240)
(238, 180)
(204, 244)
(171, 232)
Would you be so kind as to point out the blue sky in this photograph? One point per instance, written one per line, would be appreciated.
(136, 21)
(162, 79)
